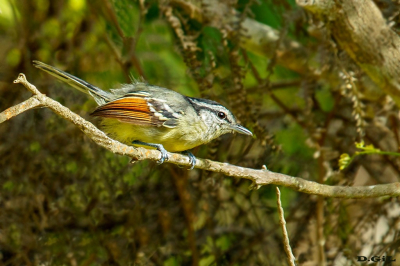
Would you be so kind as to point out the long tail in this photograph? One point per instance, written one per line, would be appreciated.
(100, 96)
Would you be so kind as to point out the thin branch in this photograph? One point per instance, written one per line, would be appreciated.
(290, 257)
(19, 108)
(259, 177)
(320, 232)
(284, 84)
(113, 17)
(180, 180)
(117, 56)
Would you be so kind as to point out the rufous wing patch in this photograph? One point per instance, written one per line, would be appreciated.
(134, 110)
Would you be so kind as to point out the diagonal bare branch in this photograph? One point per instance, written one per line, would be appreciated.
(15, 110)
(259, 177)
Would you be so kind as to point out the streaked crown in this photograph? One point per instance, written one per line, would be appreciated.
(217, 117)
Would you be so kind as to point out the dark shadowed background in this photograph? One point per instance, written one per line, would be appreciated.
(66, 201)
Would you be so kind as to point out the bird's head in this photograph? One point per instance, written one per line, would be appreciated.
(218, 118)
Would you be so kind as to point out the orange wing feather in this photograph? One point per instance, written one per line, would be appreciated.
(134, 110)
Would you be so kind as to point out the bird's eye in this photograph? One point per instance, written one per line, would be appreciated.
(221, 115)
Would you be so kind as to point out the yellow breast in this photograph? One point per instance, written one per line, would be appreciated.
(180, 138)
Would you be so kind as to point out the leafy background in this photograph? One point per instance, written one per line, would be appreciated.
(66, 201)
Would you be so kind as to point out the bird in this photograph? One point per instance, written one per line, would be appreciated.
(141, 114)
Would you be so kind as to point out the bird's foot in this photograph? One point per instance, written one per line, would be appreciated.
(192, 159)
(159, 147)
(164, 154)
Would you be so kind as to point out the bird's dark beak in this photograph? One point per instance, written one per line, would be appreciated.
(242, 130)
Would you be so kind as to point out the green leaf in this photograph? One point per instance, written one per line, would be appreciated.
(172, 261)
(127, 15)
(325, 99)
(9, 185)
(344, 161)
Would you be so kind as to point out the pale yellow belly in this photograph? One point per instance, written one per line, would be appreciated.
(173, 139)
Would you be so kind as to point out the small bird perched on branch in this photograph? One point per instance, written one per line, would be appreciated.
(147, 115)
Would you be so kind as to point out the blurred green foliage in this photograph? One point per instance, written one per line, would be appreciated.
(65, 200)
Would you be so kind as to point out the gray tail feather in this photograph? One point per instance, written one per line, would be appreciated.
(99, 95)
